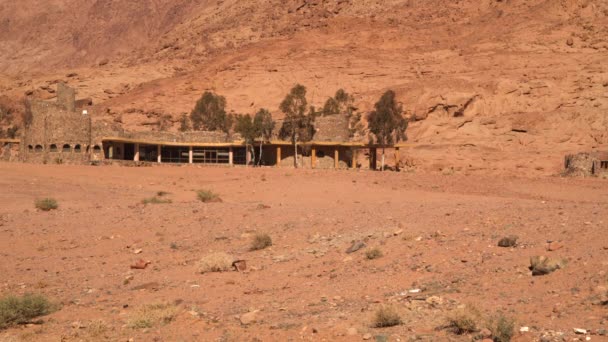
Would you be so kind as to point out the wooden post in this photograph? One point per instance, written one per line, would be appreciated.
(353, 163)
(313, 158)
(397, 158)
(158, 154)
(278, 156)
(231, 156)
(247, 156)
(136, 157)
(336, 158)
(190, 155)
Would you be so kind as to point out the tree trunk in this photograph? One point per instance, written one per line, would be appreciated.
(252, 155)
(260, 156)
(382, 164)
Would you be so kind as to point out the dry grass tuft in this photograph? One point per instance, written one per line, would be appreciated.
(97, 328)
(46, 204)
(386, 316)
(463, 321)
(216, 262)
(151, 315)
(20, 310)
(208, 196)
(261, 241)
(373, 253)
(155, 200)
(502, 328)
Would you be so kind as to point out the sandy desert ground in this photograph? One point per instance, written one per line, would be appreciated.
(438, 234)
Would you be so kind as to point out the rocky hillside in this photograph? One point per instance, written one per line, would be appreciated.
(508, 84)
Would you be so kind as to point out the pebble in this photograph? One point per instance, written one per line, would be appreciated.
(367, 337)
(524, 329)
(580, 331)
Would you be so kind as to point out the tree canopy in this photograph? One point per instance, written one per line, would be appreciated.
(209, 113)
(298, 125)
(386, 122)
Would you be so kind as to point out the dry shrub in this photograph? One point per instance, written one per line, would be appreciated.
(261, 241)
(463, 321)
(15, 310)
(373, 253)
(216, 262)
(46, 204)
(97, 328)
(386, 316)
(151, 315)
(208, 196)
(155, 200)
(502, 328)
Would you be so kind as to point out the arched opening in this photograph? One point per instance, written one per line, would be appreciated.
(96, 149)
(30, 148)
(88, 149)
(38, 148)
(53, 148)
(77, 149)
(67, 148)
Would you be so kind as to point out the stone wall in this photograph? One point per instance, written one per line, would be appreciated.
(58, 133)
(586, 164)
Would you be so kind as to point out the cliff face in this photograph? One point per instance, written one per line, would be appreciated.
(494, 81)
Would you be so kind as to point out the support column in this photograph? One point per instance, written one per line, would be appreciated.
(110, 152)
(278, 156)
(190, 155)
(397, 158)
(372, 159)
(313, 157)
(336, 158)
(353, 163)
(136, 157)
(158, 154)
(231, 156)
(247, 156)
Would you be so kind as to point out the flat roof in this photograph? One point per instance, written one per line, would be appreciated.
(241, 143)
(15, 141)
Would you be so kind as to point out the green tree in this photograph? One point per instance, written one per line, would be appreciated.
(298, 125)
(264, 126)
(244, 126)
(386, 122)
(209, 113)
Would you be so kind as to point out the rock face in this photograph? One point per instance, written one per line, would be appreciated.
(511, 84)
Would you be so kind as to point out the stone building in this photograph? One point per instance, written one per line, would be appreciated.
(63, 131)
(586, 164)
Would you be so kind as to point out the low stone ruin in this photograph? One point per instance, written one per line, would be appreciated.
(586, 164)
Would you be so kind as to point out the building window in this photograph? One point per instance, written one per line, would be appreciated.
(67, 148)
(38, 148)
(53, 148)
(77, 149)
(604, 164)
